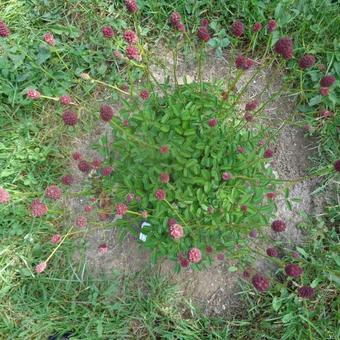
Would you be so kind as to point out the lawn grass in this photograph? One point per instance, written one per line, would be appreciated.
(33, 154)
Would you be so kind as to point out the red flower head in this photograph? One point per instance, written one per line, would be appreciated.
(324, 91)
(126, 122)
(81, 222)
(253, 234)
(56, 238)
(209, 249)
(212, 122)
(241, 149)
(293, 270)
(131, 5)
(84, 166)
(181, 27)
(271, 25)
(327, 80)
(306, 292)
(4, 31)
(268, 153)
(70, 118)
(76, 156)
(103, 248)
(33, 94)
(132, 53)
(53, 192)
(257, 27)
(40, 267)
(284, 47)
(175, 19)
(144, 94)
(194, 255)
(260, 282)
(326, 113)
(240, 61)
(117, 54)
(4, 196)
(248, 117)
(96, 163)
(247, 273)
(164, 149)
(88, 208)
(160, 194)
(220, 257)
(243, 62)
(106, 171)
(226, 176)
(204, 22)
(106, 112)
(306, 61)
(237, 28)
(271, 195)
(49, 38)
(251, 106)
(176, 231)
(295, 255)
(248, 64)
(337, 165)
(108, 32)
(203, 33)
(244, 208)
(171, 221)
(164, 177)
(183, 261)
(129, 197)
(38, 208)
(130, 37)
(273, 252)
(278, 226)
(121, 209)
(65, 100)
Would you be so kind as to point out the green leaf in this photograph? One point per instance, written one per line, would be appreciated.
(286, 318)
(232, 269)
(315, 282)
(315, 100)
(225, 42)
(276, 303)
(302, 251)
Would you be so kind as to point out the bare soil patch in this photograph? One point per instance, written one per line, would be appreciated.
(213, 289)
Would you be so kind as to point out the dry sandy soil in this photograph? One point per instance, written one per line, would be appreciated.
(215, 288)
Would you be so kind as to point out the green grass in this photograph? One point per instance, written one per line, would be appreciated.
(282, 315)
(33, 154)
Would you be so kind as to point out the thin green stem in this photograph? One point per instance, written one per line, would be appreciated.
(109, 85)
(59, 244)
(61, 59)
(175, 211)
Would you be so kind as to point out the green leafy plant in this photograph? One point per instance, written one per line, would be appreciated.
(194, 148)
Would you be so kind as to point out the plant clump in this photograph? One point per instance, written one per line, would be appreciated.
(183, 155)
